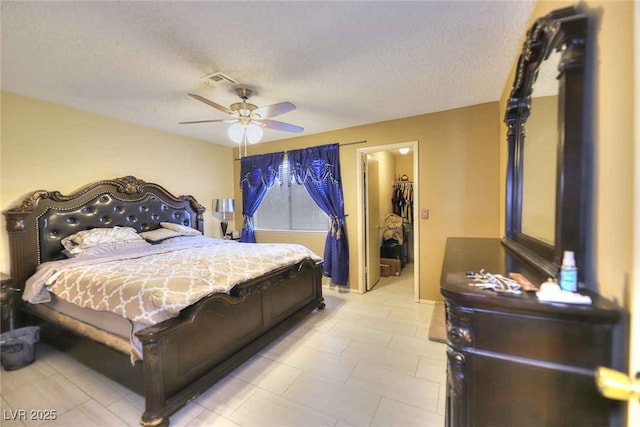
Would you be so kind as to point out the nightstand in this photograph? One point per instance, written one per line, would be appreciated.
(7, 300)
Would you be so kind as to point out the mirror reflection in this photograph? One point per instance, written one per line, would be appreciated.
(540, 155)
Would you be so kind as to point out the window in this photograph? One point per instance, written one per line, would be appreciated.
(288, 206)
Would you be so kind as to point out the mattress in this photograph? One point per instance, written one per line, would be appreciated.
(107, 321)
(151, 284)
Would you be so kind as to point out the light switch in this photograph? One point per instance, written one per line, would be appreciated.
(425, 214)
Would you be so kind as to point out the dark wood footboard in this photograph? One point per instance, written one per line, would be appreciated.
(185, 356)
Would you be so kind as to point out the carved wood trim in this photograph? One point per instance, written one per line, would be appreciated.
(127, 185)
(459, 327)
(456, 363)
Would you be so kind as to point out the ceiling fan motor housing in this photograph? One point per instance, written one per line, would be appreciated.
(244, 92)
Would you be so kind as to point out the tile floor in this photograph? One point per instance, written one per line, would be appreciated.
(365, 360)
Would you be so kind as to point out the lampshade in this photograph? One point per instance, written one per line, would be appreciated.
(236, 132)
(254, 133)
(224, 205)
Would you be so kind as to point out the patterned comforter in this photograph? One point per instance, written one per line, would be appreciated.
(149, 285)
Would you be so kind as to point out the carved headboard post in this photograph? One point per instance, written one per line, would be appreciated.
(37, 227)
(22, 240)
(199, 209)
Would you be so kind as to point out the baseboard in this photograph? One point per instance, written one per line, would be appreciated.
(341, 289)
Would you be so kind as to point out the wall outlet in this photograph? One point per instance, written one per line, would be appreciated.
(425, 214)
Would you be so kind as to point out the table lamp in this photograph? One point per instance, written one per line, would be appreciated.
(223, 207)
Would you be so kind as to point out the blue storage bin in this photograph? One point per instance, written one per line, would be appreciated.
(17, 347)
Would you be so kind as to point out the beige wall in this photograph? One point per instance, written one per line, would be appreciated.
(404, 165)
(459, 178)
(610, 91)
(52, 147)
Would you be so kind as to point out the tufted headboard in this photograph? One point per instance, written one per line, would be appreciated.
(37, 227)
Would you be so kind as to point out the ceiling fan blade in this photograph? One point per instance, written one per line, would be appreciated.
(211, 103)
(202, 121)
(287, 127)
(274, 110)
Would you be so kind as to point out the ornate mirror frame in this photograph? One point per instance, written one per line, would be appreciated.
(563, 30)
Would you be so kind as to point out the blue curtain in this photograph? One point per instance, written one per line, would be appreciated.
(257, 175)
(318, 168)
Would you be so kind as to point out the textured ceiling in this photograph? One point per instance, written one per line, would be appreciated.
(342, 64)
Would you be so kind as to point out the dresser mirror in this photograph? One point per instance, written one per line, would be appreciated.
(539, 156)
(545, 200)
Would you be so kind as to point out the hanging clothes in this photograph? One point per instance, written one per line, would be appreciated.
(402, 200)
(396, 200)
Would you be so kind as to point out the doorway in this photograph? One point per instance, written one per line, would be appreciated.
(382, 172)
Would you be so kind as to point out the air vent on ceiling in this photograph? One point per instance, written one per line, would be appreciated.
(219, 78)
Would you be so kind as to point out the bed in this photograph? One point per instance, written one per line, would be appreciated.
(184, 355)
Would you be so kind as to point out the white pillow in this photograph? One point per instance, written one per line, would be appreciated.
(182, 229)
(76, 242)
(111, 248)
(197, 240)
(192, 239)
(158, 235)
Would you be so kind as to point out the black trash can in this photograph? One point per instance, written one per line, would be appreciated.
(17, 347)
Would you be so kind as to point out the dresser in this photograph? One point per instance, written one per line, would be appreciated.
(514, 361)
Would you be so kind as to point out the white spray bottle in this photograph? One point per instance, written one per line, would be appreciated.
(569, 273)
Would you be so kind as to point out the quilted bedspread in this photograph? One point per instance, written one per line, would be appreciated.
(148, 286)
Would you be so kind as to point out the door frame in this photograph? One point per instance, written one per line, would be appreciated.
(633, 408)
(369, 272)
(361, 213)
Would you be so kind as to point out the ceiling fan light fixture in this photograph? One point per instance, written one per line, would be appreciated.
(236, 132)
(248, 119)
(254, 133)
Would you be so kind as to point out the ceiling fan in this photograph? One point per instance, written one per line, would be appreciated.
(248, 119)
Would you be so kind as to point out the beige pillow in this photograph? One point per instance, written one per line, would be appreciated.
(159, 234)
(182, 229)
(111, 248)
(76, 242)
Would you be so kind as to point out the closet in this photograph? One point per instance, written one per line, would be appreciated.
(397, 240)
(395, 214)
